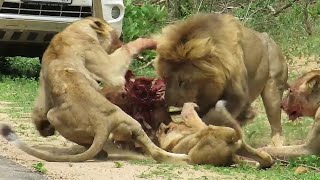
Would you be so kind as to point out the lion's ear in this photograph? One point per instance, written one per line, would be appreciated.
(98, 26)
(313, 83)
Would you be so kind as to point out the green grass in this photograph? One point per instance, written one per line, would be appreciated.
(39, 167)
(21, 92)
(277, 172)
(258, 133)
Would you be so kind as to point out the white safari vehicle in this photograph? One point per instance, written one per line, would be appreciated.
(27, 26)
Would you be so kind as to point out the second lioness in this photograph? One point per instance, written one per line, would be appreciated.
(303, 100)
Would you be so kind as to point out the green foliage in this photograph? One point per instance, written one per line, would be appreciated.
(287, 28)
(20, 92)
(164, 171)
(39, 167)
(118, 164)
(137, 69)
(311, 161)
(142, 162)
(142, 20)
(20, 66)
(276, 172)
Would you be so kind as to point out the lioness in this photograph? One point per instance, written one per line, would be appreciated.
(211, 57)
(69, 98)
(216, 145)
(303, 100)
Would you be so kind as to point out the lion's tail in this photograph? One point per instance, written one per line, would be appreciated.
(95, 148)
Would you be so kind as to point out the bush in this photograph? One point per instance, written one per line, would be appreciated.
(287, 28)
(20, 66)
(142, 20)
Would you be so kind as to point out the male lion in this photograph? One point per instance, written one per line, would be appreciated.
(69, 98)
(215, 145)
(303, 100)
(209, 57)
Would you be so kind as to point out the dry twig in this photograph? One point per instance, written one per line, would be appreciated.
(144, 66)
(284, 7)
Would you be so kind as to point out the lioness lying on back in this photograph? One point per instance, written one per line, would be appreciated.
(69, 98)
(216, 145)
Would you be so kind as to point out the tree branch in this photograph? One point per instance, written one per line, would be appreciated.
(284, 7)
(306, 21)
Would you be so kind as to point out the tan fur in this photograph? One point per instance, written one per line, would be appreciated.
(303, 100)
(69, 98)
(209, 57)
(216, 145)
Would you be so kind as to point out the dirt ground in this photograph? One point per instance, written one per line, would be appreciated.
(95, 169)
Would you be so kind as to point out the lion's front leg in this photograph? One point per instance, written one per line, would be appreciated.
(271, 96)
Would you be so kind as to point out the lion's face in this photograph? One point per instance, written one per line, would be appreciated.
(190, 62)
(303, 98)
(183, 83)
